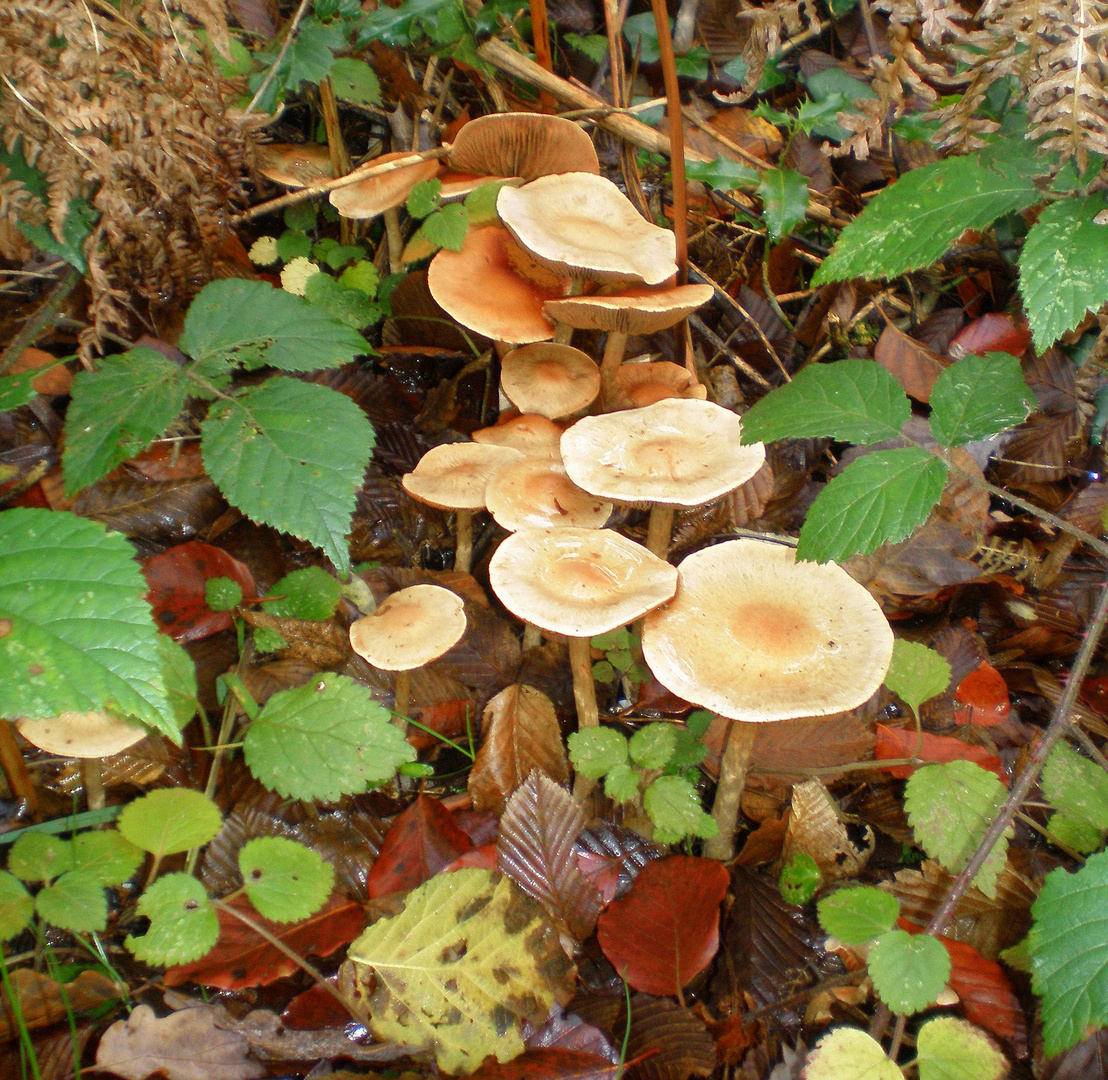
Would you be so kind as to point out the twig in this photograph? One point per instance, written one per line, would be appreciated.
(271, 74)
(45, 314)
(721, 346)
(676, 138)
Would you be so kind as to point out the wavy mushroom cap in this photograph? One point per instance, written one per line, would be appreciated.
(630, 311)
(646, 383)
(535, 436)
(756, 636)
(376, 194)
(528, 145)
(454, 476)
(295, 165)
(536, 493)
(81, 735)
(549, 379)
(410, 628)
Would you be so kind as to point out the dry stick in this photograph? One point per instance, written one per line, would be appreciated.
(42, 316)
(336, 146)
(721, 346)
(676, 138)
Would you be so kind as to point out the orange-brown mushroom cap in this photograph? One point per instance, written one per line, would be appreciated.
(549, 379)
(454, 476)
(529, 145)
(645, 383)
(295, 165)
(410, 628)
(535, 436)
(536, 493)
(376, 194)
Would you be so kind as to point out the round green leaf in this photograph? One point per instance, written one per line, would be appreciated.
(908, 971)
(285, 881)
(621, 784)
(916, 673)
(850, 1054)
(75, 902)
(595, 751)
(652, 746)
(39, 856)
(183, 924)
(951, 1049)
(170, 820)
(858, 914)
(107, 856)
(799, 880)
(310, 593)
(16, 906)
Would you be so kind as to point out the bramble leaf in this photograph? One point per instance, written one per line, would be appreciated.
(858, 914)
(16, 906)
(1077, 788)
(309, 593)
(978, 396)
(916, 673)
(673, 804)
(652, 746)
(595, 751)
(908, 970)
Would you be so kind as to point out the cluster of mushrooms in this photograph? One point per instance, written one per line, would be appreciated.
(740, 628)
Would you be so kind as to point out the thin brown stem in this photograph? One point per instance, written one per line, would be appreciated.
(402, 699)
(584, 687)
(659, 530)
(15, 769)
(729, 791)
(463, 547)
(676, 138)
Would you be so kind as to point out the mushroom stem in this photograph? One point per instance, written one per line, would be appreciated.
(15, 769)
(93, 776)
(564, 331)
(659, 530)
(463, 548)
(732, 780)
(532, 636)
(401, 699)
(584, 687)
(395, 240)
(614, 349)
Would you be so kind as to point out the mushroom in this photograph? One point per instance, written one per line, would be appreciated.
(410, 628)
(549, 379)
(756, 636)
(536, 493)
(453, 477)
(527, 145)
(295, 165)
(643, 384)
(535, 436)
(676, 452)
(580, 583)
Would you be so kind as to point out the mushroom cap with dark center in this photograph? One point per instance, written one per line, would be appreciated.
(536, 493)
(410, 628)
(376, 194)
(578, 582)
(535, 436)
(631, 311)
(529, 145)
(295, 165)
(454, 476)
(583, 225)
(81, 735)
(755, 635)
(549, 379)
(677, 452)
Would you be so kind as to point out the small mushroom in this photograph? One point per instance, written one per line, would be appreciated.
(536, 493)
(410, 628)
(645, 383)
(295, 165)
(528, 145)
(549, 379)
(756, 636)
(535, 436)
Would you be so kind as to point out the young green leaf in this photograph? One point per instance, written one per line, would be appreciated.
(846, 1053)
(362, 276)
(1062, 267)
(169, 820)
(76, 634)
(594, 46)
(106, 856)
(800, 878)
(446, 228)
(857, 401)
(916, 673)
(652, 746)
(858, 914)
(309, 593)
(595, 751)
(951, 1049)
(293, 244)
(37, 856)
(183, 924)
(909, 971)
(75, 902)
(16, 906)
(424, 198)
(325, 739)
(16, 390)
(723, 174)
(621, 784)
(1074, 833)
(1076, 786)
(354, 80)
(878, 499)
(291, 454)
(978, 396)
(285, 881)
(351, 307)
(222, 594)
(949, 808)
(480, 203)
(673, 804)
(784, 195)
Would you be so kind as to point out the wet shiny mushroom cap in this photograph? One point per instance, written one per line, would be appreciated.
(295, 165)
(536, 493)
(410, 628)
(528, 145)
(454, 476)
(535, 436)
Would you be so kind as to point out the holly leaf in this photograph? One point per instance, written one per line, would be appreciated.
(723, 174)
(916, 673)
(784, 195)
(908, 971)
(978, 396)
(858, 914)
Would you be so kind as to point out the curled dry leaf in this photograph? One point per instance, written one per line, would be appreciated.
(41, 1000)
(816, 829)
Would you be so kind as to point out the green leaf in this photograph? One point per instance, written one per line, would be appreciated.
(179, 675)
(75, 902)
(354, 80)
(424, 198)
(642, 35)
(311, 54)
(594, 46)
(603, 672)
(441, 20)
(79, 220)
(856, 401)
(253, 324)
(673, 804)
(594, 751)
(480, 203)
(950, 807)
(1062, 267)
(361, 276)
(847, 1053)
(14, 160)
(1076, 786)
(1074, 833)
(285, 881)
(310, 593)
(35, 856)
(446, 228)
(878, 499)
(652, 746)
(909, 971)
(117, 411)
(723, 174)
(169, 820)
(16, 390)
(76, 632)
(951, 1049)
(978, 396)
(621, 784)
(323, 740)
(106, 856)
(300, 216)
(292, 455)
(858, 914)
(222, 594)
(183, 924)
(914, 220)
(351, 307)
(916, 673)
(799, 879)
(689, 751)
(784, 195)
(335, 255)
(1069, 953)
(293, 244)
(16, 906)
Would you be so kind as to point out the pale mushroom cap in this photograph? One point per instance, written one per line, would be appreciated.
(584, 225)
(646, 383)
(578, 582)
(633, 311)
(549, 379)
(410, 628)
(529, 145)
(81, 735)
(454, 476)
(295, 165)
(479, 288)
(536, 493)
(376, 194)
(678, 452)
(756, 636)
(535, 436)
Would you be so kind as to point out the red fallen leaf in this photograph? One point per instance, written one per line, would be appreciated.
(1094, 693)
(169, 461)
(482, 858)
(995, 332)
(423, 840)
(898, 743)
(982, 697)
(987, 997)
(177, 579)
(315, 1009)
(548, 1064)
(665, 929)
(243, 958)
(56, 380)
(448, 718)
(603, 872)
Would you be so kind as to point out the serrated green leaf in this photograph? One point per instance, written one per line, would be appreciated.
(117, 411)
(362, 276)
(424, 198)
(16, 390)
(858, 914)
(311, 52)
(916, 673)
(940, 201)
(169, 820)
(951, 1049)
(1062, 268)
(950, 807)
(76, 632)
(673, 804)
(323, 740)
(723, 174)
(179, 675)
(799, 879)
(183, 924)
(856, 401)
(784, 195)
(908, 971)
(978, 396)
(652, 746)
(16, 906)
(603, 672)
(1076, 786)
(292, 455)
(847, 1053)
(621, 783)
(37, 856)
(351, 307)
(1068, 944)
(254, 324)
(689, 751)
(413, 18)
(75, 902)
(354, 80)
(1074, 833)
(335, 255)
(446, 228)
(309, 593)
(301, 217)
(285, 881)
(222, 594)
(293, 244)
(878, 499)
(594, 751)
(106, 856)
(594, 46)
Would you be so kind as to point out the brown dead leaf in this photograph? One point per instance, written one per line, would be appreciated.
(912, 364)
(816, 829)
(55, 1054)
(43, 1001)
(57, 380)
(184, 1046)
(672, 1043)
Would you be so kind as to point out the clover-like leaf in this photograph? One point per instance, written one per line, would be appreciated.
(183, 924)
